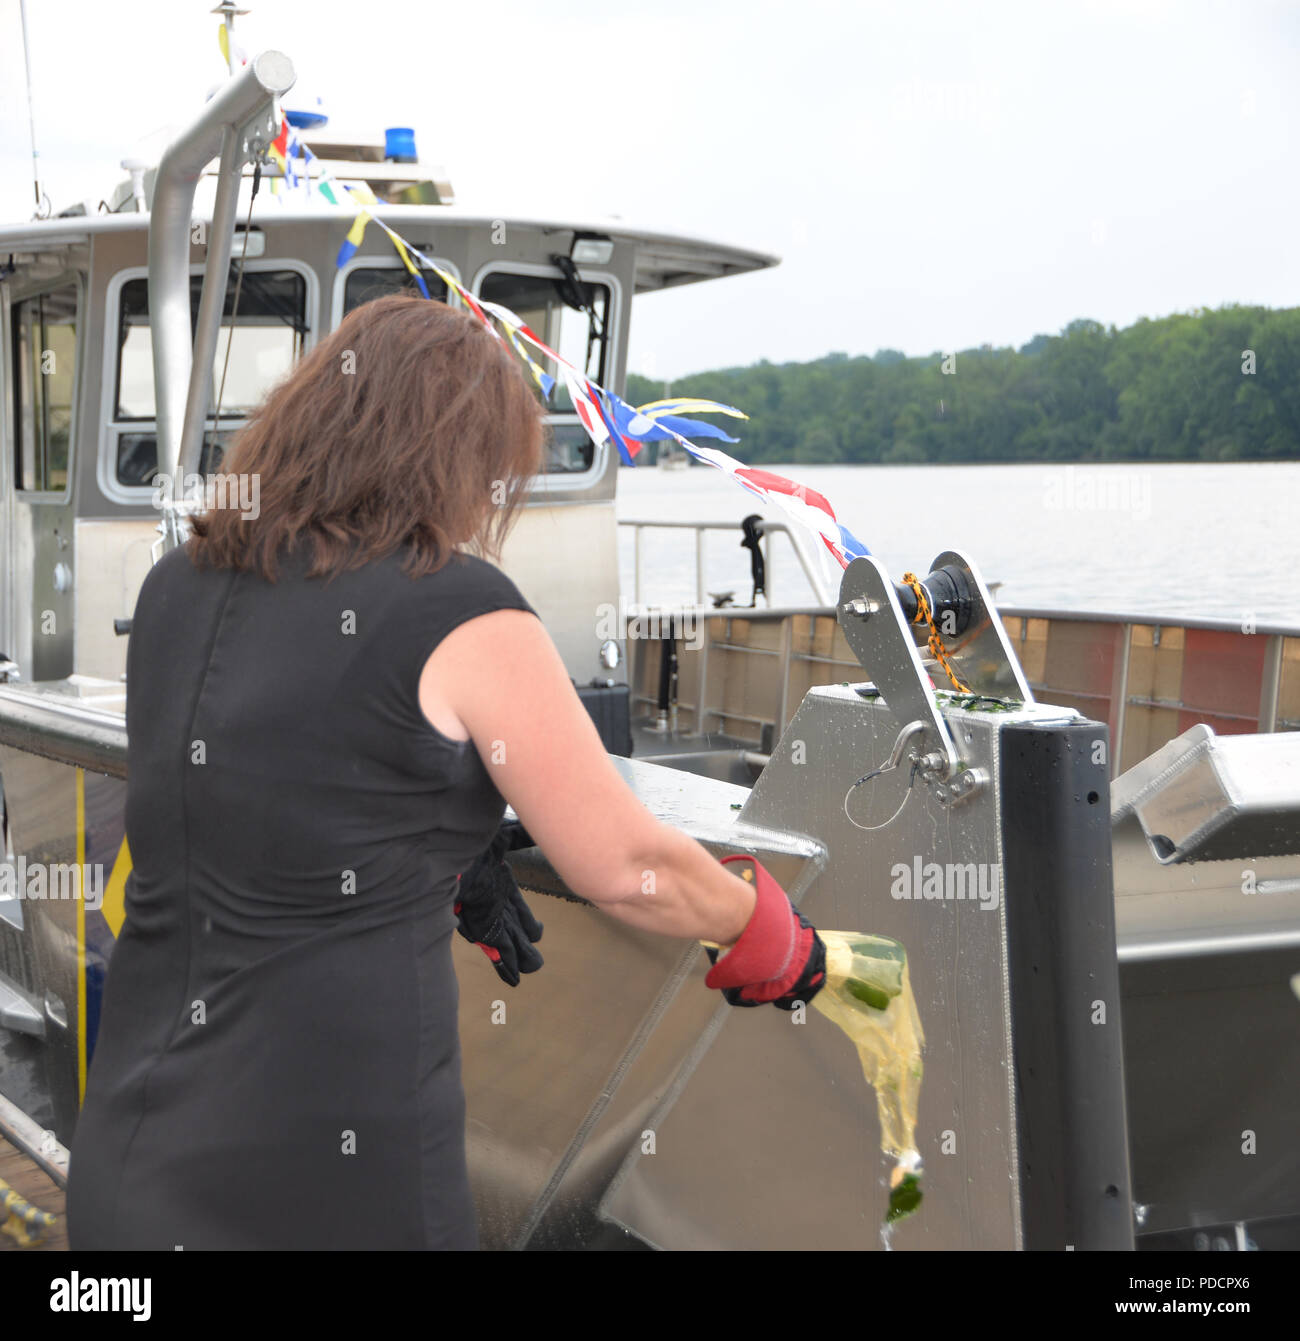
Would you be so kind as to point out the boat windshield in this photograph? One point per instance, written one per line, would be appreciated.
(257, 345)
(574, 321)
(367, 283)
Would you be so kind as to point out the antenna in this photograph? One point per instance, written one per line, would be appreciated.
(31, 118)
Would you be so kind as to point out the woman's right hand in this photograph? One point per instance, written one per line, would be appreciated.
(779, 957)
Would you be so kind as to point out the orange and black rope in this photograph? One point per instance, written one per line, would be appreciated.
(937, 649)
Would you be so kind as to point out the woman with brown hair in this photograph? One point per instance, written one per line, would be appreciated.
(326, 705)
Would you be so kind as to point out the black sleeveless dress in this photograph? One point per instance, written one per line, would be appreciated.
(278, 1064)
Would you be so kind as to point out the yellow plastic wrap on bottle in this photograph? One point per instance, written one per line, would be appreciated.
(869, 996)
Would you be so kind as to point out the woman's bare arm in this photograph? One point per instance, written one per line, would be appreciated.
(500, 676)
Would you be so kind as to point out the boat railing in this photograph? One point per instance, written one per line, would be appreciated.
(803, 550)
(1148, 675)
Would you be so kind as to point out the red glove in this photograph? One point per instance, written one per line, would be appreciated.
(779, 957)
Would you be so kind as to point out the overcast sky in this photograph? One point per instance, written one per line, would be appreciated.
(934, 175)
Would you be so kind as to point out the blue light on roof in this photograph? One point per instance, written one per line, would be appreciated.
(399, 144)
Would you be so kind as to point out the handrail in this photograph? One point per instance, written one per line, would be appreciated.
(237, 123)
(798, 541)
(65, 731)
(1164, 621)
(827, 598)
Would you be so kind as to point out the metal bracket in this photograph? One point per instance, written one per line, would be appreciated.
(961, 786)
(888, 646)
(173, 525)
(982, 654)
(877, 632)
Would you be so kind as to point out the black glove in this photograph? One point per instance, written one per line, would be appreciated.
(493, 915)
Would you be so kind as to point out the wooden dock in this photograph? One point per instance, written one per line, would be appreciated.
(33, 1168)
(34, 1185)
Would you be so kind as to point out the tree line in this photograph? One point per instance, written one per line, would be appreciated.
(1210, 385)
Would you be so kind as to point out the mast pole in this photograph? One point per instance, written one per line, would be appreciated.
(31, 115)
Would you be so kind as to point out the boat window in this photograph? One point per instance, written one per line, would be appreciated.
(369, 282)
(573, 319)
(137, 456)
(544, 305)
(267, 337)
(44, 375)
(255, 348)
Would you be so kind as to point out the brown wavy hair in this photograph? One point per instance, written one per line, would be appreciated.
(409, 426)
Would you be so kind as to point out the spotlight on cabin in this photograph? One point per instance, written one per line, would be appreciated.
(591, 249)
(248, 244)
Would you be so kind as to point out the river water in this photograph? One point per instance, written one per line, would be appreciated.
(1220, 541)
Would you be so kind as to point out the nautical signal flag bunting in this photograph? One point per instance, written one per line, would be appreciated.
(606, 417)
